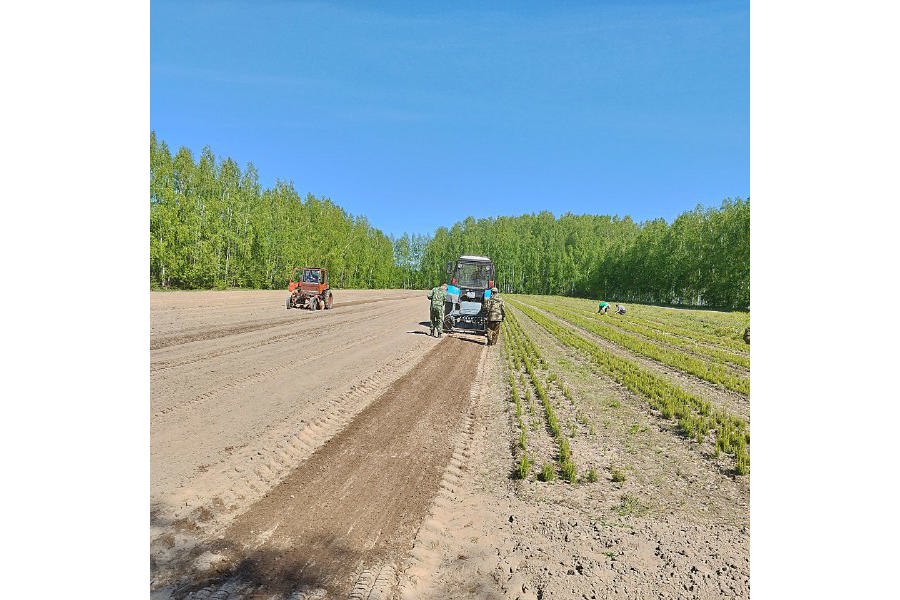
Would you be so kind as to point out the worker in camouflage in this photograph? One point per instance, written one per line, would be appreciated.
(437, 295)
(494, 315)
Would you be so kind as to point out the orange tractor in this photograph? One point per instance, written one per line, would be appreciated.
(309, 289)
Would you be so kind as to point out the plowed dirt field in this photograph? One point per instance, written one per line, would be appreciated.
(347, 454)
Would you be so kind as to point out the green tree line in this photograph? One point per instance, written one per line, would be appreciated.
(702, 258)
(211, 225)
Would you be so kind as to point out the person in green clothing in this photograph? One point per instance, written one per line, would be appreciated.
(494, 315)
(437, 295)
(604, 306)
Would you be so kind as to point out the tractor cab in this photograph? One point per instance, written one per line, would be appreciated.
(309, 289)
(470, 281)
(309, 279)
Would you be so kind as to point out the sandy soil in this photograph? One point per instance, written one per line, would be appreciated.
(233, 415)
(677, 527)
(346, 453)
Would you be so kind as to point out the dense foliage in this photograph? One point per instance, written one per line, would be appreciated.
(703, 257)
(212, 226)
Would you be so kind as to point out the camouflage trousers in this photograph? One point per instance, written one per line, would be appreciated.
(492, 330)
(437, 319)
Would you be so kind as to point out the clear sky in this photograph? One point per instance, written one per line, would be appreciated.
(418, 114)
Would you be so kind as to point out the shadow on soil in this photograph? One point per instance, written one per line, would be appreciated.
(466, 338)
(319, 563)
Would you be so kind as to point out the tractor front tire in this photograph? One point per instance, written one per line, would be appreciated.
(329, 300)
(288, 303)
(313, 305)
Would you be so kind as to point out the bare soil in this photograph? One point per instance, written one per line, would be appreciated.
(348, 454)
(676, 527)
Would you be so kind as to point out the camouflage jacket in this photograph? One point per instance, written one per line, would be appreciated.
(436, 295)
(493, 309)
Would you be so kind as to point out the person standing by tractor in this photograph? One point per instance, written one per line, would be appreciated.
(437, 295)
(494, 315)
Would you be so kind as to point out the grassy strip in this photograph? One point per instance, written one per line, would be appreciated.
(634, 325)
(531, 356)
(674, 358)
(693, 414)
(729, 326)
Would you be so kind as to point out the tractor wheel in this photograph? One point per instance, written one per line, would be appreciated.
(329, 300)
(313, 305)
(288, 303)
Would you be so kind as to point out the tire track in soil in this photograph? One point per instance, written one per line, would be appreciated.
(423, 562)
(358, 501)
(313, 331)
(257, 376)
(256, 343)
(249, 326)
(246, 474)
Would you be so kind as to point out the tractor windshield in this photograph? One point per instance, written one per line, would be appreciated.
(310, 276)
(473, 275)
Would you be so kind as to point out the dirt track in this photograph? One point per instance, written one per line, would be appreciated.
(243, 392)
(358, 501)
(346, 453)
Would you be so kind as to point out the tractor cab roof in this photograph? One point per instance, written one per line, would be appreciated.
(475, 258)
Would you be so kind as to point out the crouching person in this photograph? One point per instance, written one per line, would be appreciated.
(494, 315)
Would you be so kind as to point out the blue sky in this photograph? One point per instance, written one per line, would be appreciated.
(418, 114)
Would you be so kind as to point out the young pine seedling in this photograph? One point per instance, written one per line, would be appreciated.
(523, 468)
(548, 473)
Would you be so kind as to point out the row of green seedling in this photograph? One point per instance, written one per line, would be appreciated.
(634, 325)
(682, 361)
(690, 331)
(694, 416)
(523, 466)
(732, 341)
(728, 326)
(520, 341)
(530, 355)
(520, 355)
(717, 318)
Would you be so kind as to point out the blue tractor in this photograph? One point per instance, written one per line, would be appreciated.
(471, 279)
